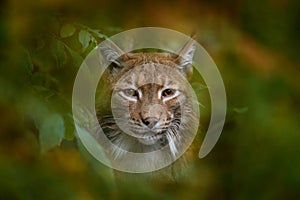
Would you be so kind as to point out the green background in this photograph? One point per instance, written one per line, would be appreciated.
(256, 46)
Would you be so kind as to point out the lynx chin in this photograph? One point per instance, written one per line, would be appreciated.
(147, 103)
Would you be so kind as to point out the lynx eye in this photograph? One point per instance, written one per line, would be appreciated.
(168, 92)
(130, 93)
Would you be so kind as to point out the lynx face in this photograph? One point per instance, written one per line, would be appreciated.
(152, 101)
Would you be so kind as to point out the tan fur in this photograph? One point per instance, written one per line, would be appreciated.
(152, 103)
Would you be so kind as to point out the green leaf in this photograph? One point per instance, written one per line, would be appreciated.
(69, 126)
(52, 131)
(84, 39)
(59, 53)
(97, 33)
(198, 87)
(36, 109)
(67, 30)
(77, 59)
(240, 110)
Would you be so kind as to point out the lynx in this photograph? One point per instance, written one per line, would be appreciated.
(152, 104)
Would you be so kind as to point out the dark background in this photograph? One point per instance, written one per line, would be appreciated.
(254, 43)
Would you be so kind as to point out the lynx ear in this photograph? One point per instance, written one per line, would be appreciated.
(185, 56)
(111, 55)
(110, 52)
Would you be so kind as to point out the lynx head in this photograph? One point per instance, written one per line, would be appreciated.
(152, 102)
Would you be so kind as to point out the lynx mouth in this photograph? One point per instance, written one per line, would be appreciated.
(150, 140)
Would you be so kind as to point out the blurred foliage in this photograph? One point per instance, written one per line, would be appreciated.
(255, 45)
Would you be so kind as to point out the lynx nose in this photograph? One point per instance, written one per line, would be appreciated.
(150, 121)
